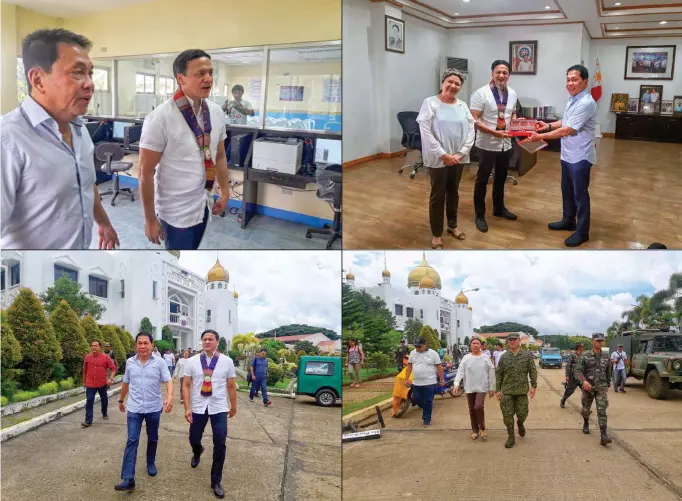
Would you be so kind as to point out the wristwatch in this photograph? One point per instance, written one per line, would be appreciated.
(550, 127)
(120, 401)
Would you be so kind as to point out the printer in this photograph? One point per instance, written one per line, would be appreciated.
(277, 154)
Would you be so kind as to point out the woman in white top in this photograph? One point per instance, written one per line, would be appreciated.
(447, 135)
(479, 378)
(180, 370)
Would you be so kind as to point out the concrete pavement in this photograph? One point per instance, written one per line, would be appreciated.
(291, 450)
(555, 461)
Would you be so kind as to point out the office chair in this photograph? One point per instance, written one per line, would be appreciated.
(111, 154)
(411, 139)
(329, 189)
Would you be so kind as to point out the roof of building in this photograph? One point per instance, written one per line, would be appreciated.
(218, 273)
(326, 343)
(419, 272)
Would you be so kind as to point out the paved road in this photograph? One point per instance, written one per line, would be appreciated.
(288, 451)
(555, 461)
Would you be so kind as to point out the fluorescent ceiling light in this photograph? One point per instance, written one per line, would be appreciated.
(547, 7)
(456, 13)
(618, 4)
(615, 28)
(466, 1)
(663, 22)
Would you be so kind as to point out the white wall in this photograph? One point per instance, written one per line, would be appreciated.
(611, 55)
(585, 48)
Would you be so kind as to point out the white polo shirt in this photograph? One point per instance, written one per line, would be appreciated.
(483, 100)
(218, 402)
(424, 367)
(180, 195)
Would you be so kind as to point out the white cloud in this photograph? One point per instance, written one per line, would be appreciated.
(278, 287)
(553, 291)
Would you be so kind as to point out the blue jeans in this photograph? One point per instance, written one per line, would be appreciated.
(619, 377)
(575, 180)
(259, 384)
(184, 238)
(134, 428)
(423, 396)
(90, 402)
(219, 429)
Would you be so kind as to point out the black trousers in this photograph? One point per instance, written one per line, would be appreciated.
(571, 386)
(499, 160)
(444, 197)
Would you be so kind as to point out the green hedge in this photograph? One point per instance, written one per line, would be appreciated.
(22, 396)
(66, 384)
(4, 401)
(48, 388)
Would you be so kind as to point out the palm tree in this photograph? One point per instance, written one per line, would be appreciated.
(669, 300)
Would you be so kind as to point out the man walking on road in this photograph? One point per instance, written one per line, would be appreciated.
(512, 373)
(95, 381)
(571, 382)
(619, 359)
(592, 370)
(259, 376)
(428, 371)
(498, 353)
(208, 381)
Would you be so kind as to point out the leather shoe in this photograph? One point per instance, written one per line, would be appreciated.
(126, 485)
(481, 225)
(562, 225)
(506, 215)
(218, 491)
(85, 424)
(197, 459)
(151, 470)
(575, 240)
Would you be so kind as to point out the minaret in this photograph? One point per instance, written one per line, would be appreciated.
(350, 278)
(385, 275)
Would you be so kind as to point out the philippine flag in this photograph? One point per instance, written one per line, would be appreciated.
(596, 85)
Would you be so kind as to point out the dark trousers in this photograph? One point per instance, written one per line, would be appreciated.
(219, 430)
(90, 402)
(476, 411)
(423, 397)
(134, 428)
(444, 197)
(184, 238)
(259, 383)
(575, 181)
(570, 388)
(499, 160)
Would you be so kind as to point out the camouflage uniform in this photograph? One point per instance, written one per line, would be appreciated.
(595, 368)
(572, 382)
(512, 381)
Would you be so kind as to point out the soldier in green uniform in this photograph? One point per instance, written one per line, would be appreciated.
(593, 372)
(571, 382)
(512, 373)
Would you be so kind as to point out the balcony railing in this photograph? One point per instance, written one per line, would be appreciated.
(178, 319)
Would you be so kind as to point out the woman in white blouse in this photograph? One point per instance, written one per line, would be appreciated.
(447, 135)
(479, 378)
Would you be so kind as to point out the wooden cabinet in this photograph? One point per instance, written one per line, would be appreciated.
(665, 128)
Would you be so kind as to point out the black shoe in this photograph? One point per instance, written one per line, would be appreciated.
(105, 417)
(576, 239)
(151, 470)
(481, 225)
(505, 214)
(622, 390)
(562, 225)
(218, 491)
(586, 426)
(522, 429)
(562, 404)
(605, 439)
(85, 424)
(126, 485)
(197, 459)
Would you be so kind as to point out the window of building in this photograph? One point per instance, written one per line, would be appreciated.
(212, 286)
(399, 310)
(98, 286)
(208, 315)
(15, 274)
(2, 280)
(100, 77)
(155, 294)
(458, 324)
(421, 313)
(123, 288)
(144, 84)
(410, 312)
(416, 293)
(220, 285)
(62, 270)
(166, 86)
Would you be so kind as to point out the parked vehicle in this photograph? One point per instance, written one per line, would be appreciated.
(550, 357)
(404, 394)
(321, 378)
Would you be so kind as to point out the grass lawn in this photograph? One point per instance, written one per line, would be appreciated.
(356, 406)
(282, 385)
(366, 373)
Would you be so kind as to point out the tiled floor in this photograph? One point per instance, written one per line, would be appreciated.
(262, 232)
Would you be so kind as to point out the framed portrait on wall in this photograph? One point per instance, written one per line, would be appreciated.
(656, 62)
(677, 105)
(395, 35)
(633, 105)
(650, 96)
(619, 102)
(523, 57)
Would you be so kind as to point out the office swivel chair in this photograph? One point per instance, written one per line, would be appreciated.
(411, 139)
(111, 154)
(329, 189)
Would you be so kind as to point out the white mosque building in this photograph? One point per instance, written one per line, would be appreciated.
(133, 285)
(422, 300)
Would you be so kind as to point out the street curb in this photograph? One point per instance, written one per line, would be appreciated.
(367, 411)
(32, 424)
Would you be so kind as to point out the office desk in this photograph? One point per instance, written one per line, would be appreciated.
(252, 177)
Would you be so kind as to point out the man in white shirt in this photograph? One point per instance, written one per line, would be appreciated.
(493, 106)
(182, 152)
(208, 380)
(238, 109)
(498, 353)
(426, 366)
(618, 359)
(485, 350)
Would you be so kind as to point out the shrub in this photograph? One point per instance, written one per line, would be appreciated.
(48, 388)
(162, 345)
(233, 354)
(146, 325)
(8, 386)
(71, 337)
(91, 331)
(9, 346)
(4, 401)
(167, 336)
(222, 345)
(125, 338)
(110, 336)
(443, 343)
(67, 384)
(39, 346)
(59, 372)
(379, 360)
(429, 335)
(275, 373)
(22, 396)
(300, 353)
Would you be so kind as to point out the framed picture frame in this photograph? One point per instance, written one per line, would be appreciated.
(619, 102)
(633, 105)
(395, 35)
(655, 62)
(677, 106)
(523, 57)
(666, 107)
(650, 95)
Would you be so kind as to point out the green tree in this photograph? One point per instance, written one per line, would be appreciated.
(272, 344)
(71, 337)
(91, 330)
(390, 341)
(39, 347)
(167, 336)
(466, 341)
(492, 342)
(241, 341)
(110, 336)
(379, 360)
(9, 347)
(413, 327)
(222, 345)
(307, 347)
(146, 325)
(297, 330)
(507, 327)
(162, 345)
(70, 291)
(429, 335)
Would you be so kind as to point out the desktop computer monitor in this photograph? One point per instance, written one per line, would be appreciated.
(328, 151)
(119, 130)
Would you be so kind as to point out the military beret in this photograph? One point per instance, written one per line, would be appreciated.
(513, 335)
(598, 336)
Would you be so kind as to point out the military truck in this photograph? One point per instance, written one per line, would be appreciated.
(654, 356)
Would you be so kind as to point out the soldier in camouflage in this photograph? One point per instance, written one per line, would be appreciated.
(571, 382)
(593, 372)
(512, 373)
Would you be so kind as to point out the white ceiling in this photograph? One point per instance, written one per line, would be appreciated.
(602, 18)
(72, 8)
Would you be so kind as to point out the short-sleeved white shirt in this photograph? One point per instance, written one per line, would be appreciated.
(218, 402)
(483, 100)
(424, 367)
(620, 357)
(180, 195)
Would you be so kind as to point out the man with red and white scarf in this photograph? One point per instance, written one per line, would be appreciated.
(493, 106)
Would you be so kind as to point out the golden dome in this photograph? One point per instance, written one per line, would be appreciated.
(386, 274)
(350, 276)
(470, 308)
(235, 294)
(427, 282)
(418, 273)
(461, 299)
(218, 273)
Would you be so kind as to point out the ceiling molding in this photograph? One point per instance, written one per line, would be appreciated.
(637, 10)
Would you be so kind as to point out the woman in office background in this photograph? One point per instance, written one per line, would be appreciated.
(447, 135)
